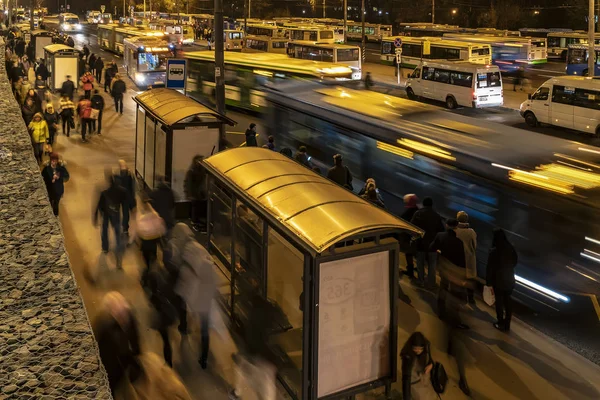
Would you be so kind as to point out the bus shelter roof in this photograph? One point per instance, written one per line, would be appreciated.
(171, 107)
(55, 48)
(317, 210)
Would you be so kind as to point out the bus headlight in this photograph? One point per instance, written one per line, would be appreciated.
(78, 27)
(65, 27)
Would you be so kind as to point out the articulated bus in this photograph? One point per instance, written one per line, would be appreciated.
(111, 36)
(559, 42)
(577, 60)
(332, 53)
(373, 32)
(412, 51)
(265, 44)
(145, 60)
(246, 74)
(311, 33)
(509, 53)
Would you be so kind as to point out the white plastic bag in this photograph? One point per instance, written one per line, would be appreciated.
(488, 295)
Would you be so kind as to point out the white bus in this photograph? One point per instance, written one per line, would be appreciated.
(374, 32)
(233, 39)
(93, 16)
(332, 53)
(68, 23)
(421, 29)
(311, 33)
(571, 102)
(265, 44)
(497, 32)
(265, 30)
(558, 42)
(457, 84)
(145, 60)
(413, 54)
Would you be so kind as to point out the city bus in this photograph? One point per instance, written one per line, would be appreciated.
(577, 60)
(412, 51)
(233, 39)
(559, 42)
(265, 44)
(265, 30)
(247, 73)
(332, 53)
(509, 53)
(145, 60)
(496, 32)
(311, 33)
(423, 29)
(456, 84)
(66, 22)
(542, 32)
(175, 32)
(111, 36)
(373, 32)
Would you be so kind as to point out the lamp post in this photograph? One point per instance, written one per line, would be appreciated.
(433, 11)
(345, 20)
(364, 36)
(591, 47)
(220, 64)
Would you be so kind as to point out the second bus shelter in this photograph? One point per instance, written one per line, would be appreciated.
(326, 260)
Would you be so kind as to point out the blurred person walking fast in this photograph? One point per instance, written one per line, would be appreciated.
(162, 199)
(411, 206)
(117, 90)
(430, 221)
(251, 136)
(157, 381)
(125, 179)
(150, 228)
(469, 238)
(195, 190)
(110, 203)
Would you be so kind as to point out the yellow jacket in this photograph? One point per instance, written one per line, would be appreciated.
(39, 131)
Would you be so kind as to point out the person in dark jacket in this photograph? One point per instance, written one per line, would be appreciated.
(194, 187)
(430, 221)
(162, 200)
(302, 157)
(86, 51)
(97, 104)
(251, 136)
(98, 67)
(165, 302)
(109, 74)
(70, 41)
(32, 94)
(110, 203)
(126, 181)
(117, 90)
(118, 338)
(339, 173)
(68, 87)
(20, 47)
(271, 143)
(411, 206)
(91, 61)
(372, 197)
(500, 276)
(17, 72)
(416, 368)
(28, 111)
(51, 118)
(55, 174)
(363, 191)
(42, 71)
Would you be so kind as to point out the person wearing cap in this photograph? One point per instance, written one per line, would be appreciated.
(430, 221)
(411, 206)
(39, 135)
(469, 238)
(55, 174)
(340, 174)
(251, 136)
(68, 88)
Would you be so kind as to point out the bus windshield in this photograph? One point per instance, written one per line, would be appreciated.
(152, 62)
(489, 79)
(326, 34)
(235, 35)
(347, 55)
(577, 56)
(72, 21)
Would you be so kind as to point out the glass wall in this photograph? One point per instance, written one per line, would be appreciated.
(221, 217)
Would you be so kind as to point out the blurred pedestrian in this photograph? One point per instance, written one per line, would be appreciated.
(28, 111)
(87, 83)
(502, 261)
(195, 282)
(42, 70)
(339, 173)
(68, 87)
(98, 67)
(117, 334)
(41, 89)
(97, 104)
(469, 238)
(51, 118)
(55, 175)
(162, 200)
(302, 157)
(416, 369)
(110, 203)
(108, 76)
(371, 195)
(519, 78)
(38, 129)
(363, 191)
(157, 381)
(271, 143)
(67, 112)
(251, 136)
(368, 81)
(411, 206)
(430, 221)
(195, 190)
(91, 61)
(125, 179)
(117, 90)
(84, 110)
(150, 228)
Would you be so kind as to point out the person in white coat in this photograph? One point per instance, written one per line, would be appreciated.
(195, 281)
(469, 238)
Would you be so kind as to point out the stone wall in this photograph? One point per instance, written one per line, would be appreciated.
(47, 349)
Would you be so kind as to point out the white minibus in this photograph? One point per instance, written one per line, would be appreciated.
(457, 84)
(568, 101)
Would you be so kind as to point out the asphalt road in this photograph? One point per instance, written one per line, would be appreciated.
(575, 324)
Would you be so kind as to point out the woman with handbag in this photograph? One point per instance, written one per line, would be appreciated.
(416, 369)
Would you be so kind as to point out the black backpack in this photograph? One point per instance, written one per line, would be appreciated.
(439, 378)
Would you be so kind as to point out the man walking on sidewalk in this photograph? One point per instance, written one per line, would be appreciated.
(430, 221)
(97, 104)
(111, 200)
(117, 90)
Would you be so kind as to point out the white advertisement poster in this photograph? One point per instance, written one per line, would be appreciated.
(354, 322)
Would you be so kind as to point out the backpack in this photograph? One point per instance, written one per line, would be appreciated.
(439, 378)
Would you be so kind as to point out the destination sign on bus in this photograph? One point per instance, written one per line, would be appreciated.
(154, 49)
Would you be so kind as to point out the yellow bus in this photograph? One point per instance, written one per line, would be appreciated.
(111, 36)
(254, 44)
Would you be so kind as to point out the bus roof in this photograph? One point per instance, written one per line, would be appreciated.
(267, 38)
(513, 40)
(573, 34)
(275, 61)
(436, 40)
(462, 66)
(577, 81)
(324, 45)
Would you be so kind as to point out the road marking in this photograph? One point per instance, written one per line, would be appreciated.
(547, 70)
(593, 299)
(548, 76)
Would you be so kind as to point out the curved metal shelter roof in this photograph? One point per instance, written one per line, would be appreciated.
(320, 212)
(171, 107)
(53, 48)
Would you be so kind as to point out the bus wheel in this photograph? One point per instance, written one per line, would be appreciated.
(411, 94)
(530, 119)
(450, 102)
(585, 72)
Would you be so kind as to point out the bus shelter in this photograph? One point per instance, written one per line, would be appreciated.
(171, 129)
(39, 40)
(61, 61)
(325, 259)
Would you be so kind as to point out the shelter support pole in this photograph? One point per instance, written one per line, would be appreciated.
(591, 48)
(220, 66)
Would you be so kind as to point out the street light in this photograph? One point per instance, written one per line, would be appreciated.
(454, 11)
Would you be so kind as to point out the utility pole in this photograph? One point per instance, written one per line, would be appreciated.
(323, 8)
(9, 22)
(364, 36)
(124, 14)
(220, 65)
(433, 11)
(345, 21)
(246, 10)
(591, 46)
(249, 8)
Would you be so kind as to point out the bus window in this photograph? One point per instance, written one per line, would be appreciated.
(151, 62)
(313, 36)
(464, 79)
(386, 48)
(587, 99)
(428, 73)
(489, 79)
(484, 51)
(443, 53)
(441, 76)
(326, 34)
(235, 35)
(562, 94)
(577, 56)
(416, 73)
(279, 45)
(411, 50)
(541, 94)
(347, 55)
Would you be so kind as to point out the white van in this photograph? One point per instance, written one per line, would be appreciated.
(457, 83)
(569, 101)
